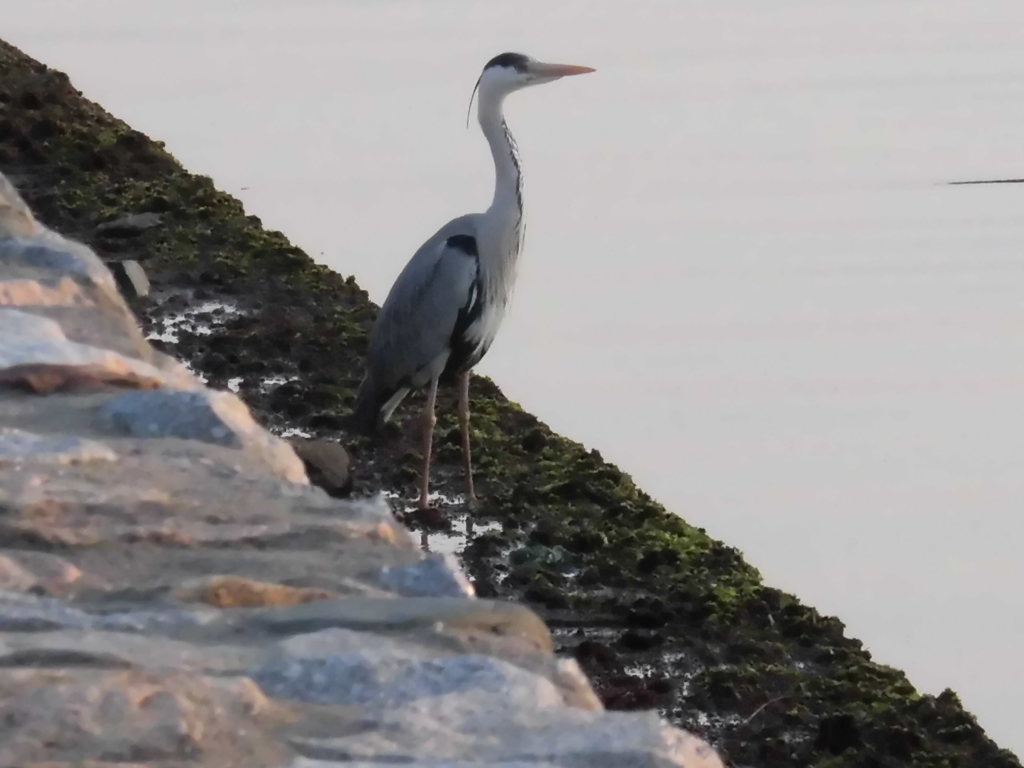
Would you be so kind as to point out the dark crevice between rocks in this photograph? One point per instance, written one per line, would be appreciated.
(659, 614)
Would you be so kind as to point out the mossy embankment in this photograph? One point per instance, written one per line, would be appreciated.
(659, 614)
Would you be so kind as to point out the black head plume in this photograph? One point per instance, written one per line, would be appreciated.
(473, 94)
(516, 61)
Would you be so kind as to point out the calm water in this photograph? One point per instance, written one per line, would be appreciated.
(746, 281)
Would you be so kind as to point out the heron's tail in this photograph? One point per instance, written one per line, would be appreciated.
(366, 416)
(374, 405)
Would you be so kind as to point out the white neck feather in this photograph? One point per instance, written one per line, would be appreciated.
(504, 219)
(507, 172)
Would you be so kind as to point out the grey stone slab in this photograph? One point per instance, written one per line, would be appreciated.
(62, 292)
(374, 614)
(212, 417)
(66, 281)
(156, 620)
(306, 762)
(348, 666)
(386, 655)
(22, 612)
(31, 342)
(183, 495)
(18, 446)
(459, 709)
(380, 677)
(437, 575)
(48, 716)
(201, 415)
(22, 570)
(46, 253)
(127, 648)
(452, 729)
(332, 642)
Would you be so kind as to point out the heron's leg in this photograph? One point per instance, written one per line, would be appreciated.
(428, 440)
(464, 429)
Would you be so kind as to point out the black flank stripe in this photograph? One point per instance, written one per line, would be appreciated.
(464, 353)
(464, 243)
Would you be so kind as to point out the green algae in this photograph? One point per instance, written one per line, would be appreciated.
(627, 585)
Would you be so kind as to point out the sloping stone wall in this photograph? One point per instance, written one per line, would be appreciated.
(173, 592)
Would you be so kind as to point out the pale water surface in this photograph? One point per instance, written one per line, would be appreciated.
(746, 281)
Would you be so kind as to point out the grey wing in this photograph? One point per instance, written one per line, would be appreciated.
(411, 339)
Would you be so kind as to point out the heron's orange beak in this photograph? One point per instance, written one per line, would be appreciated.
(560, 70)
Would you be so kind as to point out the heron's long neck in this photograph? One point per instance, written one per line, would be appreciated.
(506, 212)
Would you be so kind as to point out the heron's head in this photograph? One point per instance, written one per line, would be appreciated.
(509, 72)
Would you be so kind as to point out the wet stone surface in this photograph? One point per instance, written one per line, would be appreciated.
(657, 613)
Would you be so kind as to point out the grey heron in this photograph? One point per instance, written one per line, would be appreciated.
(446, 305)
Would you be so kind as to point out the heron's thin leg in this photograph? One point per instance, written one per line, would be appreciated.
(428, 440)
(467, 461)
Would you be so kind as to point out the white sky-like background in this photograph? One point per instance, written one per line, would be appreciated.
(745, 281)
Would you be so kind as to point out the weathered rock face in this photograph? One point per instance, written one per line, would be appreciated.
(173, 592)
